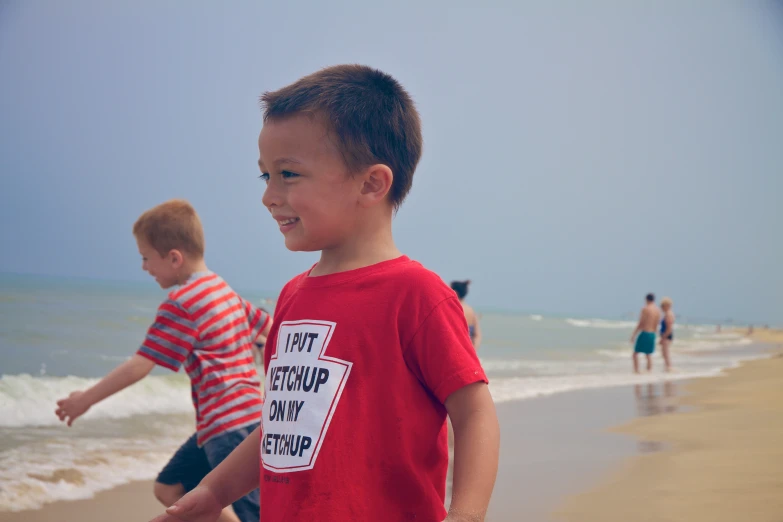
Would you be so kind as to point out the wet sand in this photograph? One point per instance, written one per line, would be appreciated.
(555, 446)
(764, 335)
(722, 459)
(128, 503)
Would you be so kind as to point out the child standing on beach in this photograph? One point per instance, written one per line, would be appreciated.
(370, 351)
(205, 326)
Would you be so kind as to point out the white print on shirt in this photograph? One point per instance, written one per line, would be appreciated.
(302, 390)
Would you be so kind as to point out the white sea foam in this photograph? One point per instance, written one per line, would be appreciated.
(518, 388)
(709, 344)
(600, 323)
(76, 468)
(543, 367)
(700, 356)
(26, 400)
(693, 345)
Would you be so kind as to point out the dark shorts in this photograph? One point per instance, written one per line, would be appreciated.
(190, 464)
(187, 467)
(645, 343)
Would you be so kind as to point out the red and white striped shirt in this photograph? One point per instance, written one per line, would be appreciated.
(207, 327)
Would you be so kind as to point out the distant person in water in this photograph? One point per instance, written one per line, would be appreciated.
(644, 335)
(667, 332)
(461, 288)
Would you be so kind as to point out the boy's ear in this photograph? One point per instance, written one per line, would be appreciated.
(176, 258)
(376, 184)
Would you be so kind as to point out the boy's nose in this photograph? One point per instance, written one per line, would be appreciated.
(272, 195)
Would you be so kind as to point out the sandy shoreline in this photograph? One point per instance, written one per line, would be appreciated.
(132, 502)
(723, 458)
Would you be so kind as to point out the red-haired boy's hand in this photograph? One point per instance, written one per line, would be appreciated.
(70, 409)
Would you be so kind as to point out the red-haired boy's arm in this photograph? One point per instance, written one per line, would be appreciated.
(127, 373)
(476, 450)
(169, 340)
(260, 321)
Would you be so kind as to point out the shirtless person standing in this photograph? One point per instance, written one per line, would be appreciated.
(644, 335)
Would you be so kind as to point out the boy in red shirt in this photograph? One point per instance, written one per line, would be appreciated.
(205, 327)
(369, 351)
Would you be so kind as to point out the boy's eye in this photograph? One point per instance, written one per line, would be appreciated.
(284, 174)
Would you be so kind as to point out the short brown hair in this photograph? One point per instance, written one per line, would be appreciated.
(171, 225)
(373, 118)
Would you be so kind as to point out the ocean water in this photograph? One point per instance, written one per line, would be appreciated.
(60, 335)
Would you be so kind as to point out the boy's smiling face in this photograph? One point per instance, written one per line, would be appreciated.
(310, 191)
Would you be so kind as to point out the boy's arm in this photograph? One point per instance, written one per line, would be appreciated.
(236, 476)
(78, 402)
(476, 449)
(441, 356)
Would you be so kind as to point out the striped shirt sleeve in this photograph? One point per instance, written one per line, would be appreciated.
(171, 337)
(256, 318)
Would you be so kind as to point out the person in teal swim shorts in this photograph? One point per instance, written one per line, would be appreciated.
(643, 337)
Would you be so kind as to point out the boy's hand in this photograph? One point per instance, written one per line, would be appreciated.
(72, 408)
(200, 505)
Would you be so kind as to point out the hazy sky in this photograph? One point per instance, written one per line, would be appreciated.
(576, 157)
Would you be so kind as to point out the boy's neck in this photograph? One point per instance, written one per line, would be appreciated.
(190, 268)
(362, 250)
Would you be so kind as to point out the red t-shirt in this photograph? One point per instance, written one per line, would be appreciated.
(358, 367)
